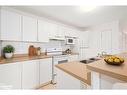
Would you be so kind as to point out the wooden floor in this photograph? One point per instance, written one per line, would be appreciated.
(48, 87)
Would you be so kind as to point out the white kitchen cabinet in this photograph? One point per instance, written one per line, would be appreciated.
(116, 41)
(10, 26)
(73, 58)
(43, 31)
(45, 70)
(66, 81)
(29, 29)
(106, 41)
(10, 75)
(61, 31)
(53, 28)
(70, 32)
(56, 31)
(73, 32)
(83, 44)
(30, 74)
(95, 43)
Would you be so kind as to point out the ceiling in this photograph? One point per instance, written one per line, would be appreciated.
(73, 16)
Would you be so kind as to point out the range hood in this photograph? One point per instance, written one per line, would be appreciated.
(58, 38)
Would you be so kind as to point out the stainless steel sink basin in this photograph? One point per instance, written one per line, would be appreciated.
(90, 60)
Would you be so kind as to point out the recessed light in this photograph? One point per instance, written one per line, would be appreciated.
(86, 8)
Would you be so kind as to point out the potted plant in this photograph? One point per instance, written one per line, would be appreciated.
(8, 51)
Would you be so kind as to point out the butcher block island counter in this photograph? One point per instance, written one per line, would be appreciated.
(107, 76)
(119, 72)
(96, 75)
(68, 71)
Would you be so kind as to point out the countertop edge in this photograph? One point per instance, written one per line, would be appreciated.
(21, 59)
(77, 77)
(108, 73)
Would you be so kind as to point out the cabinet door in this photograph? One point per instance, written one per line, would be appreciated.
(61, 31)
(45, 70)
(107, 41)
(29, 29)
(73, 58)
(10, 75)
(70, 32)
(95, 42)
(53, 28)
(73, 32)
(84, 39)
(30, 74)
(43, 31)
(66, 81)
(116, 41)
(10, 26)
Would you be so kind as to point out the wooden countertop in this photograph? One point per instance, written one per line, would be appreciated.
(23, 57)
(73, 54)
(77, 70)
(119, 72)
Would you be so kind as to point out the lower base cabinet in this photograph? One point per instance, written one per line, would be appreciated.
(45, 70)
(25, 75)
(30, 74)
(66, 81)
(10, 75)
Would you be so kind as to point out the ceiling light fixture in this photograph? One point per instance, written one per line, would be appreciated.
(86, 8)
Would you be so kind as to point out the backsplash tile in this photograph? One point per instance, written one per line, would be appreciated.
(22, 47)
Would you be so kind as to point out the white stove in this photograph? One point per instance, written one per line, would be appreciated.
(58, 58)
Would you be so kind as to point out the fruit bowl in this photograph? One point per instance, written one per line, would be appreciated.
(113, 60)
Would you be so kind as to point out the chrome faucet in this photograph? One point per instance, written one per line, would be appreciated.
(102, 54)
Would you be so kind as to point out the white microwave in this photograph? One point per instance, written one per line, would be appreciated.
(70, 40)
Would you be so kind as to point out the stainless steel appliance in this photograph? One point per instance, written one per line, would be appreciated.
(70, 40)
(58, 58)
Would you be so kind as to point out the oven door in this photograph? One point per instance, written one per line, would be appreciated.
(62, 61)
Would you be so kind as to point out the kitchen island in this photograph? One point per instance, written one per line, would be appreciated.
(107, 75)
(72, 74)
(97, 75)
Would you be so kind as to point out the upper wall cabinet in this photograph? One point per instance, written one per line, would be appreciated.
(53, 28)
(73, 32)
(10, 26)
(70, 32)
(61, 31)
(56, 31)
(43, 31)
(106, 41)
(29, 29)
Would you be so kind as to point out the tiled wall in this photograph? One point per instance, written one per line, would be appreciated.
(22, 47)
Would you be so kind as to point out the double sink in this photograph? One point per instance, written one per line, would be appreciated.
(90, 60)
